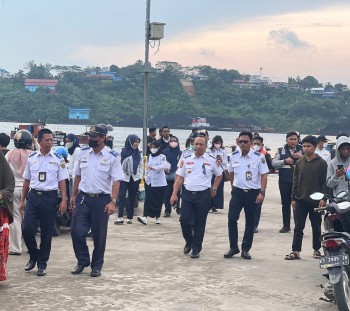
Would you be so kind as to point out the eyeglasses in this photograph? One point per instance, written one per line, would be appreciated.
(244, 141)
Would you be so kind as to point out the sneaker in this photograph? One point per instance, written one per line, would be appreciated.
(284, 229)
(142, 220)
(119, 221)
(158, 221)
(214, 210)
(129, 221)
(167, 215)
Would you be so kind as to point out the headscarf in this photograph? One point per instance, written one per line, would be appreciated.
(128, 151)
(157, 145)
(18, 159)
(172, 154)
(75, 142)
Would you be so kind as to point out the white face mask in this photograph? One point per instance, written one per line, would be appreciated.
(69, 145)
(217, 146)
(173, 144)
(257, 148)
(154, 150)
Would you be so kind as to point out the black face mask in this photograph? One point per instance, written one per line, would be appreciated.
(93, 143)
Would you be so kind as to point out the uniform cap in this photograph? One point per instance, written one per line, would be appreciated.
(98, 129)
(322, 138)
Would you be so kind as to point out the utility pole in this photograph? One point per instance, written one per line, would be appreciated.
(146, 77)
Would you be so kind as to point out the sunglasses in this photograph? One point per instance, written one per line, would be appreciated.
(244, 141)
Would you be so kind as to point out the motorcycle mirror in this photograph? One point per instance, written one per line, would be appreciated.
(317, 196)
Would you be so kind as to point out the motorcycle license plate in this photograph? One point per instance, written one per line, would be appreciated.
(334, 261)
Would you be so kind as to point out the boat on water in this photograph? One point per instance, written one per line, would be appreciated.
(58, 136)
(202, 123)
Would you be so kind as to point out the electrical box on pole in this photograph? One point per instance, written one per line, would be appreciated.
(156, 31)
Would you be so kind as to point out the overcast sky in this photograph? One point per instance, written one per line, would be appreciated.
(285, 38)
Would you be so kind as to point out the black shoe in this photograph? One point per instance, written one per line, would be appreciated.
(95, 273)
(15, 253)
(78, 269)
(30, 265)
(187, 249)
(284, 229)
(167, 215)
(41, 272)
(214, 210)
(231, 252)
(194, 255)
(246, 255)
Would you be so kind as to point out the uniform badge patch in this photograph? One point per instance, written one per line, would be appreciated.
(263, 161)
(63, 165)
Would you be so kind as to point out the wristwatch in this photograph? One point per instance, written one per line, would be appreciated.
(213, 189)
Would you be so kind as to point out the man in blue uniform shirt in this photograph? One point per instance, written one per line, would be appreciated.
(44, 173)
(95, 189)
(248, 178)
(195, 173)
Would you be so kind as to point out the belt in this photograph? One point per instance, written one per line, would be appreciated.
(196, 192)
(244, 190)
(93, 195)
(40, 192)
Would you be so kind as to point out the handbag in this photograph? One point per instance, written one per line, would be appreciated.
(226, 175)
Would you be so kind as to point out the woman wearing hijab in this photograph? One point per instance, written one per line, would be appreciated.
(217, 150)
(173, 154)
(17, 158)
(7, 186)
(133, 169)
(73, 147)
(155, 184)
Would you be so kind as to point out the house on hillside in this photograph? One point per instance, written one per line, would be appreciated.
(4, 73)
(322, 92)
(33, 84)
(104, 75)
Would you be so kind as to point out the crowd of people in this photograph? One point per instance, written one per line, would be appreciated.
(37, 181)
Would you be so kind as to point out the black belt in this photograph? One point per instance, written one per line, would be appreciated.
(40, 192)
(245, 190)
(196, 192)
(93, 195)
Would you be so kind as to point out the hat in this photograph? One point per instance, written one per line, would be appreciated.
(97, 130)
(193, 135)
(322, 138)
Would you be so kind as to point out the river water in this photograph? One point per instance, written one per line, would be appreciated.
(271, 140)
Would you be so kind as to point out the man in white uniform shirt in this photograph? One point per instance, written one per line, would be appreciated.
(195, 173)
(248, 178)
(321, 148)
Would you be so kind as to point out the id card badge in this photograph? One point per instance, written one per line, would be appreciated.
(248, 175)
(42, 176)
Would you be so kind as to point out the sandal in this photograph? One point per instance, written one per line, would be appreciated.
(317, 255)
(292, 256)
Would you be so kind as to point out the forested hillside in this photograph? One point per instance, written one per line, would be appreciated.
(120, 101)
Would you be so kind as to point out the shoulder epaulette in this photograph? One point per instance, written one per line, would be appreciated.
(85, 148)
(235, 152)
(113, 153)
(185, 157)
(257, 153)
(210, 155)
(33, 153)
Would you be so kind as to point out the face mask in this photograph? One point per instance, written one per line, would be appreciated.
(257, 148)
(192, 147)
(93, 143)
(173, 144)
(217, 146)
(69, 145)
(154, 150)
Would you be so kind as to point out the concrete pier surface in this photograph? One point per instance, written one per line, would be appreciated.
(145, 269)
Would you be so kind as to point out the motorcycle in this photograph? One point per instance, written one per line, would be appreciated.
(335, 242)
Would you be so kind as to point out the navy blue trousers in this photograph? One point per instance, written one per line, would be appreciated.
(242, 200)
(194, 212)
(131, 187)
(43, 208)
(286, 200)
(90, 213)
